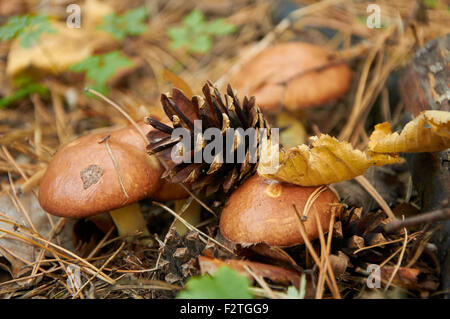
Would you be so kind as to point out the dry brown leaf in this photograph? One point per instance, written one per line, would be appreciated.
(55, 52)
(410, 278)
(177, 82)
(326, 161)
(93, 13)
(12, 248)
(339, 263)
(428, 132)
(274, 253)
(274, 273)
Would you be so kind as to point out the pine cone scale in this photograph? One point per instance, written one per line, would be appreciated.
(229, 166)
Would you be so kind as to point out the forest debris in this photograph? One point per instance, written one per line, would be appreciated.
(12, 219)
(274, 253)
(375, 239)
(440, 214)
(423, 83)
(177, 82)
(55, 52)
(355, 242)
(352, 215)
(292, 131)
(410, 278)
(339, 263)
(337, 230)
(424, 86)
(428, 132)
(274, 273)
(389, 181)
(94, 11)
(327, 161)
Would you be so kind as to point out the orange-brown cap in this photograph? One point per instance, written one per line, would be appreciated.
(261, 211)
(169, 191)
(129, 135)
(278, 76)
(81, 179)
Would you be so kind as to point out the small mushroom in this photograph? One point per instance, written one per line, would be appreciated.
(293, 75)
(92, 175)
(262, 211)
(82, 180)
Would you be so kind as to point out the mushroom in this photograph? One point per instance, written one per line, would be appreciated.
(82, 180)
(294, 75)
(262, 211)
(169, 191)
(94, 174)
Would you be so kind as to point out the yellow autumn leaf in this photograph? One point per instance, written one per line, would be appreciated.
(428, 132)
(439, 122)
(326, 161)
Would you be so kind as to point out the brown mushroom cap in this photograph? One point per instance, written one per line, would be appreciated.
(169, 191)
(81, 179)
(261, 211)
(276, 77)
(129, 135)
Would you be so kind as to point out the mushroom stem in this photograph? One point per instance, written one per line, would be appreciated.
(129, 221)
(191, 215)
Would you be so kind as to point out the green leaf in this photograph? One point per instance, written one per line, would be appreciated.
(224, 284)
(27, 28)
(298, 294)
(179, 37)
(196, 33)
(23, 92)
(200, 44)
(13, 27)
(430, 3)
(109, 64)
(220, 27)
(101, 88)
(195, 20)
(21, 80)
(362, 19)
(131, 22)
(88, 63)
(99, 68)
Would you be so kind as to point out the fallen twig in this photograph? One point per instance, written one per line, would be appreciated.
(437, 215)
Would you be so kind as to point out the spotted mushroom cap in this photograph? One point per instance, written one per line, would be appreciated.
(261, 211)
(81, 179)
(278, 77)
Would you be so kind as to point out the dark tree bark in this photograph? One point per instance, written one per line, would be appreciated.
(424, 84)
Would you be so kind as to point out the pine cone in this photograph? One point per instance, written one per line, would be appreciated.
(179, 256)
(215, 111)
